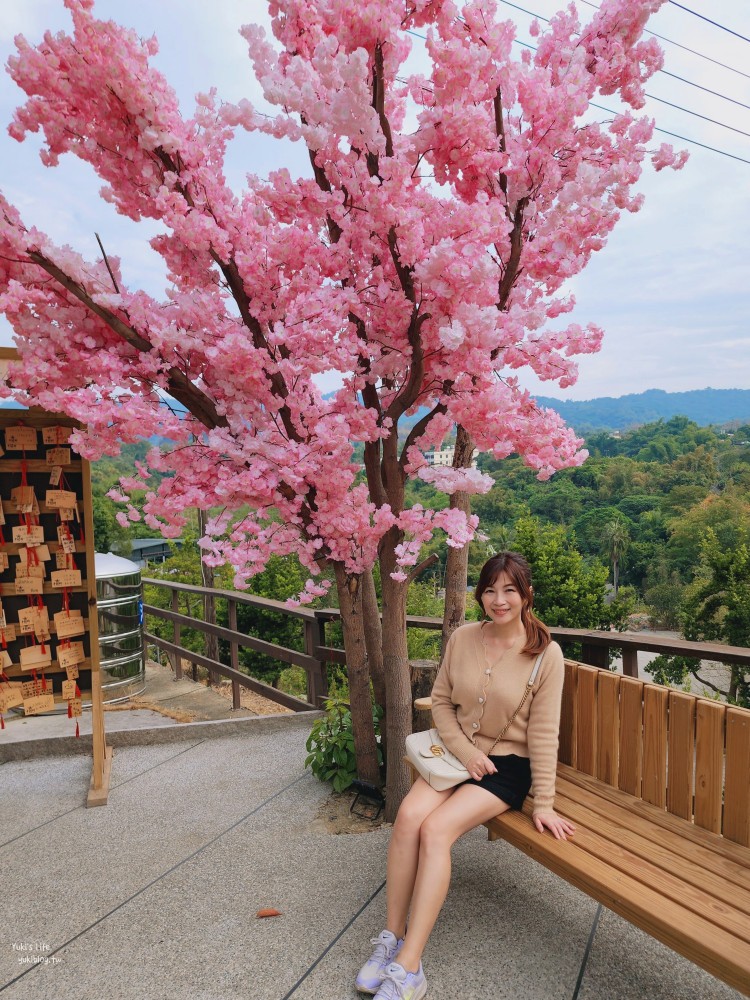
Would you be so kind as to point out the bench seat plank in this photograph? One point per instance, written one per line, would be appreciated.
(716, 949)
(688, 831)
(710, 863)
(716, 899)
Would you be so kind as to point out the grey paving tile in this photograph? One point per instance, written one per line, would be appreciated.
(508, 930)
(627, 964)
(195, 933)
(93, 859)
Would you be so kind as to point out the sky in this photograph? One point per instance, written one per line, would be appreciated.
(672, 287)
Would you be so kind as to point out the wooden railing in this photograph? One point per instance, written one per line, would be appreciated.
(595, 645)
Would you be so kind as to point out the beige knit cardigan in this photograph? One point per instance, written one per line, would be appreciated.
(473, 698)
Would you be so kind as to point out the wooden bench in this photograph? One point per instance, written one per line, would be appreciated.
(657, 783)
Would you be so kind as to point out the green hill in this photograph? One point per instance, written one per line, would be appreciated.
(704, 406)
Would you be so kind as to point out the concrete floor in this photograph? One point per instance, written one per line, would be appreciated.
(156, 894)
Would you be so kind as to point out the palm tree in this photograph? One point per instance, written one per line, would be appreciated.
(615, 540)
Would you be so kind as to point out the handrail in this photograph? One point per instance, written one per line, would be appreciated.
(595, 644)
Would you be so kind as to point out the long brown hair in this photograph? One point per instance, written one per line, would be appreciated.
(514, 564)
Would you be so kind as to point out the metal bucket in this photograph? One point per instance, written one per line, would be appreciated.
(120, 602)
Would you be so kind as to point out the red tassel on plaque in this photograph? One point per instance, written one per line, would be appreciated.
(78, 731)
(2, 721)
(70, 711)
(78, 692)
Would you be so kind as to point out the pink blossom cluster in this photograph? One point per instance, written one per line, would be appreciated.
(419, 292)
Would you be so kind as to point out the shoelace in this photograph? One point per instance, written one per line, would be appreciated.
(381, 948)
(392, 988)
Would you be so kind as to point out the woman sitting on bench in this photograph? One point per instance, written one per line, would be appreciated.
(481, 682)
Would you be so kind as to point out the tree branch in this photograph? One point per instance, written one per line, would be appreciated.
(418, 430)
(180, 387)
(421, 567)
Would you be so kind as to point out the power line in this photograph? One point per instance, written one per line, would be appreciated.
(674, 135)
(716, 93)
(696, 115)
(682, 138)
(685, 48)
(714, 23)
(674, 76)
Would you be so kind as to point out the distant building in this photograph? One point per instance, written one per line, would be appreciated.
(444, 456)
(152, 550)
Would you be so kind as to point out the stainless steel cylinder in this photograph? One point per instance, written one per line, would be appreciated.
(121, 650)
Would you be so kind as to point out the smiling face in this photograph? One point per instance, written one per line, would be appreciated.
(502, 601)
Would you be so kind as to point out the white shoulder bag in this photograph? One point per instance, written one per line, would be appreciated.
(434, 762)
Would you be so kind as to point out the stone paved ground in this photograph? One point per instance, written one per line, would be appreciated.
(156, 894)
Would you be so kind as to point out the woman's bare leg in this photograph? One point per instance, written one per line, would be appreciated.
(403, 851)
(468, 807)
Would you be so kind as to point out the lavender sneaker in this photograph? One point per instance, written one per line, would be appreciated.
(371, 974)
(398, 984)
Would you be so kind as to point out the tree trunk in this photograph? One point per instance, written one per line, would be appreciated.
(209, 602)
(374, 643)
(457, 563)
(349, 589)
(615, 574)
(397, 680)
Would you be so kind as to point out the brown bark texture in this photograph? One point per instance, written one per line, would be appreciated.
(373, 637)
(457, 563)
(397, 680)
(349, 589)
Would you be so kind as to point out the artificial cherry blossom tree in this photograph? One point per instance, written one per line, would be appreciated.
(423, 258)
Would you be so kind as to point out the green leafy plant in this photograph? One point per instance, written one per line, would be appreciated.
(330, 744)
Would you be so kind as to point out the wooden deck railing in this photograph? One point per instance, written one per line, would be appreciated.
(316, 655)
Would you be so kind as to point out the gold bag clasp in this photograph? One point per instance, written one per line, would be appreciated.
(436, 750)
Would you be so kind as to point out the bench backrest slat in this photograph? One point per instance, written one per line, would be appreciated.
(631, 736)
(710, 719)
(655, 701)
(687, 755)
(608, 727)
(680, 754)
(567, 751)
(737, 782)
(585, 708)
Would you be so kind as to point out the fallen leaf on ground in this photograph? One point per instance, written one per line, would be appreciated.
(269, 912)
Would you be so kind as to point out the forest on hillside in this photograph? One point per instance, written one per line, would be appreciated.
(656, 521)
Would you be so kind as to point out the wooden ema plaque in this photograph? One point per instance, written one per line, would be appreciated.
(47, 577)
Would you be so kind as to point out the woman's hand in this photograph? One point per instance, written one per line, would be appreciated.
(560, 828)
(479, 765)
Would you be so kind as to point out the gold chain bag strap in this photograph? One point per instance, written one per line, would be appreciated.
(529, 686)
(435, 763)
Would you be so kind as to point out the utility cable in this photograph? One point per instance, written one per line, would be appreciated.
(714, 23)
(673, 135)
(685, 48)
(674, 76)
(682, 138)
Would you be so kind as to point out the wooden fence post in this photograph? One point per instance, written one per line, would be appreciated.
(234, 657)
(317, 679)
(630, 662)
(176, 636)
(595, 656)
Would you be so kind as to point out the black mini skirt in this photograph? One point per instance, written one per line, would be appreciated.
(511, 782)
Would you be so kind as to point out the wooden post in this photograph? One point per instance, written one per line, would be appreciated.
(317, 680)
(102, 765)
(176, 637)
(234, 658)
(595, 656)
(630, 662)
